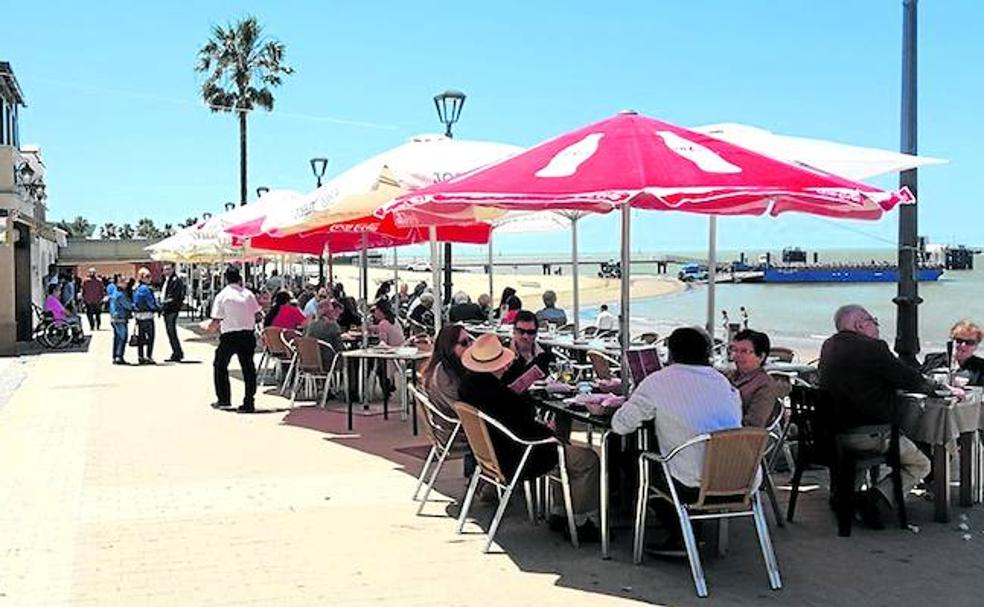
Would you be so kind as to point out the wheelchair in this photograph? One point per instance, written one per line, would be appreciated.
(55, 334)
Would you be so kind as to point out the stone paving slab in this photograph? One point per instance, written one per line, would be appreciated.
(120, 486)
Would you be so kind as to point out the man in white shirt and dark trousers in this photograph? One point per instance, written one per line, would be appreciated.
(234, 314)
(686, 399)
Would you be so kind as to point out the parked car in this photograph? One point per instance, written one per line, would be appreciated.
(692, 272)
(419, 266)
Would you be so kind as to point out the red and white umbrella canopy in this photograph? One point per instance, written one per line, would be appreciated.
(649, 164)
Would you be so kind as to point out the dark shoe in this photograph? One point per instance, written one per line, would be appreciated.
(874, 509)
(246, 409)
(175, 359)
(221, 405)
(120, 361)
(588, 533)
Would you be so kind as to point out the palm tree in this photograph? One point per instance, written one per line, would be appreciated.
(146, 229)
(167, 230)
(108, 231)
(241, 66)
(80, 227)
(126, 232)
(188, 222)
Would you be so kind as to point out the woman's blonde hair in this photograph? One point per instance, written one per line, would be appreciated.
(965, 326)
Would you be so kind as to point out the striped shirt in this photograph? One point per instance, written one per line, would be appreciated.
(686, 401)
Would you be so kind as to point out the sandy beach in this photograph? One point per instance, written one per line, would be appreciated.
(594, 291)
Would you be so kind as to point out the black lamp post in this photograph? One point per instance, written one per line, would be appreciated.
(908, 300)
(448, 105)
(318, 167)
(230, 206)
(260, 191)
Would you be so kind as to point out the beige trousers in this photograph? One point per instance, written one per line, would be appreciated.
(584, 475)
(915, 465)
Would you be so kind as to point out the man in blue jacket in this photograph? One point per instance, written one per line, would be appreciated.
(144, 306)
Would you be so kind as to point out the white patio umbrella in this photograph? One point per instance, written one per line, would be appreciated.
(850, 161)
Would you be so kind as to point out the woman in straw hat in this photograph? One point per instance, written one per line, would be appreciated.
(487, 360)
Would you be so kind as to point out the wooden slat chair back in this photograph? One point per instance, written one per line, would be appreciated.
(480, 440)
(309, 355)
(443, 432)
(732, 460)
(275, 343)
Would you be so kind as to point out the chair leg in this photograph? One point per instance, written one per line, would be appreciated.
(435, 470)
(765, 542)
(287, 375)
(260, 371)
(293, 389)
(499, 512)
(463, 515)
(770, 490)
(690, 541)
(797, 478)
(324, 396)
(530, 508)
(568, 502)
(423, 472)
(638, 539)
(897, 491)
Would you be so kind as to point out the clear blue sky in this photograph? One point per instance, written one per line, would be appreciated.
(113, 98)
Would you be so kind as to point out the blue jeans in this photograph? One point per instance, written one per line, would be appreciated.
(119, 338)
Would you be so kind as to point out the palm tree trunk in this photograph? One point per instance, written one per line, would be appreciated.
(242, 158)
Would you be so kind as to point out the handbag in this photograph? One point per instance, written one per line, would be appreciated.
(134, 340)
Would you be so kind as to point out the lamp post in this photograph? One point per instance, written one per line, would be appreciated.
(448, 105)
(318, 167)
(230, 206)
(908, 300)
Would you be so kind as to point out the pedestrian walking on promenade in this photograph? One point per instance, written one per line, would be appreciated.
(173, 296)
(93, 295)
(120, 309)
(145, 306)
(235, 312)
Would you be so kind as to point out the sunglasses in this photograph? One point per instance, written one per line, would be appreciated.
(464, 343)
(961, 341)
(525, 331)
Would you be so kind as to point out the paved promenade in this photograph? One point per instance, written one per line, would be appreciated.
(120, 486)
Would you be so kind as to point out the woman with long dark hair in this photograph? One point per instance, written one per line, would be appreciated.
(444, 370)
(284, 313)
(504, 301)
(513, 306)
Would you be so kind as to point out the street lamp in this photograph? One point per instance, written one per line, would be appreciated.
(448, 105)
(230, 206)
(318, 166)
(260, 191)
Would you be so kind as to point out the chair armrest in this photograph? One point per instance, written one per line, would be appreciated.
(665, 459)
(553, 440)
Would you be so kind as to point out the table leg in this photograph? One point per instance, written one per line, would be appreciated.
(966, 444)
(345, 387)
(941, 484)
(363, 384)
(605, 507)
(384, 382)
(413, 378)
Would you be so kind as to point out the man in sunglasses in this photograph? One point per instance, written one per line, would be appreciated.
(966, 336)
(532, 360)
(862, 376)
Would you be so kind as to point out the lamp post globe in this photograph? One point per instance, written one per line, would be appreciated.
(318, 167)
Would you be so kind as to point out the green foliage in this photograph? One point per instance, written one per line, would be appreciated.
(80, 227)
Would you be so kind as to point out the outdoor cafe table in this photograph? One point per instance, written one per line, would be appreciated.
(401, 357)
(941, 422)
(604, 424)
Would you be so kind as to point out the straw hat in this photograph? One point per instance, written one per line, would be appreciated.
(487, 355)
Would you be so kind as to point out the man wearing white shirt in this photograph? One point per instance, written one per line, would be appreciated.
(234, 314)
(606, 321)
(686, 399)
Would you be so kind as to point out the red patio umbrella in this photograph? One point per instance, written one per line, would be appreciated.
(632, 160)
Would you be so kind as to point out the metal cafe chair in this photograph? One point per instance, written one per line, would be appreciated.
(310, 367)
(728, 489)
(277, 352)
(777, 429)
(476, 425)
(444, 434)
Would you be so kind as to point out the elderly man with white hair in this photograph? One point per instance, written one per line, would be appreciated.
(550, 313)
(464, 310)
(862, 376)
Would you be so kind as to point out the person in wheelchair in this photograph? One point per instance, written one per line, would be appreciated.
(58, 312)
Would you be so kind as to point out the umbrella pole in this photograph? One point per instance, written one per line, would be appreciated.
(331, 266)
(711, 273)
(364, 291)
(436, 271)
(623, 333)
(396, 272)
(574, 277)
(491, 271)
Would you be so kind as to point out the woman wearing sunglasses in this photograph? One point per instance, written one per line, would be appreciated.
(966, 336)
(444, 371)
